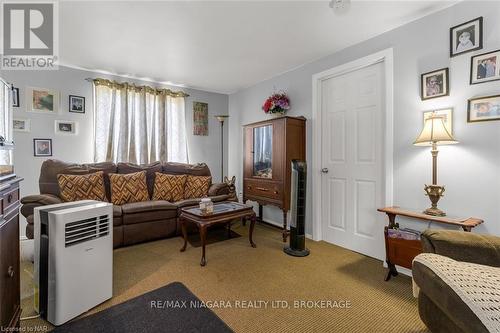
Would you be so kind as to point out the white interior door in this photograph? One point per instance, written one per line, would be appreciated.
(352, 115)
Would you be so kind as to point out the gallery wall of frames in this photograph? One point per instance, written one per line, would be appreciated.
(485, 67)
(45, 101)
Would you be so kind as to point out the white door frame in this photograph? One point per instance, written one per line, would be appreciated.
(385, 56)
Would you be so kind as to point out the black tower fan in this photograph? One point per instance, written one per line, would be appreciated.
(297, 246)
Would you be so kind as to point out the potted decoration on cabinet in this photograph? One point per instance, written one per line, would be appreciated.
(277, 104)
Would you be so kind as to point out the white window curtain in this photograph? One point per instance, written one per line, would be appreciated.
(138, 124)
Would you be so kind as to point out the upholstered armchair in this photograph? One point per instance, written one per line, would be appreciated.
(442, 307)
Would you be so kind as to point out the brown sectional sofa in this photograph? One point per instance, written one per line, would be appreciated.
(133, 222)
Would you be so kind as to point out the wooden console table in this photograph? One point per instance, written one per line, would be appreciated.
(402, 251)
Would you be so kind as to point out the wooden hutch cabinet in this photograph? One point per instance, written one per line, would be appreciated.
(270, 146)
(10, 301)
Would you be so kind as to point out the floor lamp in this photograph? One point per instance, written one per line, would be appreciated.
(221, 119)
(433, 134)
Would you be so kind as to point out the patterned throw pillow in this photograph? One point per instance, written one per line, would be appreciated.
(127, 188)
(197, 186)
(169, 187)
(82, 187)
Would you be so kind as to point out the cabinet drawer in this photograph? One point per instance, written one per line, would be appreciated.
(10, 199)
(264, 189)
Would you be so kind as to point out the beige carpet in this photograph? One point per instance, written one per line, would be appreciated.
(237, 272)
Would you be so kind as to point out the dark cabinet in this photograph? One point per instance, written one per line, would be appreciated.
(10, 300)
(270, 146)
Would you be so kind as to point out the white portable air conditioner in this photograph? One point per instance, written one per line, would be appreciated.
(73, 258)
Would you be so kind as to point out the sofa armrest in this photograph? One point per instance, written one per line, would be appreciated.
(43, 199)
(218, 189)
(463, 246)
(31, 201)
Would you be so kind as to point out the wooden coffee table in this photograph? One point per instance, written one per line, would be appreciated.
(224, 212)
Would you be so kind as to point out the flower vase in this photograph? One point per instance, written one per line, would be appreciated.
(277, 114)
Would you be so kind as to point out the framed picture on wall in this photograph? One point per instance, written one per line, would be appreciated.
(65, 127)
(434, 84)
(76, 104)
(42, 147)
(447, 115)
(21, 125)
(42, 100)
(485, 67)
(483, 109)
(200, 118)
(466, 37)
(15, 97)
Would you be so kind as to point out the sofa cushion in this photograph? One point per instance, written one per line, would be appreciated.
(151, 169)
(169, 187)
(117, 210)
(51, 168)
(82, 187)
(173, 168)
(142, 212)
(146, 206)
(197, 186)
(128, 188)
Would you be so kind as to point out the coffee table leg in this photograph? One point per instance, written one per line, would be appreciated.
(252, 226)
(229, 229)
(203, 237)
(184, 234)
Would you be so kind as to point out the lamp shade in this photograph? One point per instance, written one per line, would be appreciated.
(434, 131)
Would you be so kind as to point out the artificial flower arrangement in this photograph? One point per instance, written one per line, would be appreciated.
(276, 103)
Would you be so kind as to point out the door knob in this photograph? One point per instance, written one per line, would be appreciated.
(324, 170)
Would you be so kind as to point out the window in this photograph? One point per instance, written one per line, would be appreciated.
(138, 124)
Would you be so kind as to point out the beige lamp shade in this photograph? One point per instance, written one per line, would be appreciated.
(434, 131)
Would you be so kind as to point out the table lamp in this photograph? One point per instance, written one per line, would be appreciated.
(433, 134)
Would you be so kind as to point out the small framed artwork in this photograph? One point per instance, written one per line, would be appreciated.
(76, 104)
(21, 125)
(15, 97)
(485, 67)
(65, 127)
(434, 84)
(42, 100)
(200, 118)
(42, 147)
(466, 37)
(483, 109)
(447, 115)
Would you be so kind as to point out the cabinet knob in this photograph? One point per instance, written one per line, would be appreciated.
(324, 170)
(9, 198)
(10, 271)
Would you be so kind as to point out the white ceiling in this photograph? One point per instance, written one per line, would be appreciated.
(219, 46)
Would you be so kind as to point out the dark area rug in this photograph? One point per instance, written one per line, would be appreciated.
(167, 309)
(214, 235)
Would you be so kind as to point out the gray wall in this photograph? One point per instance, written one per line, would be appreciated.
(470, 171)
(79, 148)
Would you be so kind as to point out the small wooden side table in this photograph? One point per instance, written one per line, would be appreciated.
(402, 251)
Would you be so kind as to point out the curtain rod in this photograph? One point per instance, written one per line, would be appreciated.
(179, 93)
